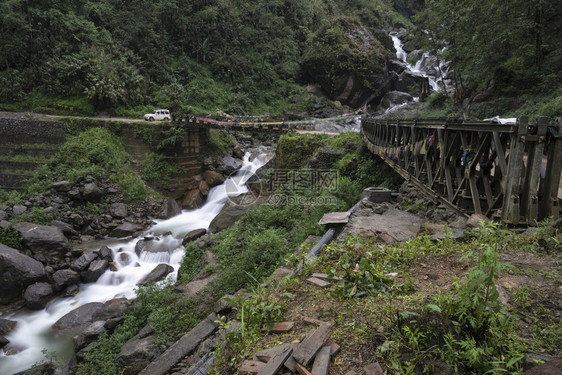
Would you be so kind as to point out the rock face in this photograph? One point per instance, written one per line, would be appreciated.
(350, 65)
(325, 158)
(37, 295)
(230, 165)
(79, 318)
(193, 199)
(157, 274)
(17, 272)
(47, 240)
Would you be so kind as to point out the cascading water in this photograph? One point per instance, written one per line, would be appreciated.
(420, 67)
(33, 334)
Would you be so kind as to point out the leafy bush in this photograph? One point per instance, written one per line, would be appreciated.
(11, 238)
(95, 152)
(157, 167)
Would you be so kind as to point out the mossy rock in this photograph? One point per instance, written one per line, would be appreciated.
(349, 60)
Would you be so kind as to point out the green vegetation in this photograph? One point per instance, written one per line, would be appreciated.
(10, 198)
(157, 167)
(415, 325)
(11, 238)
(84, 57)
(37, 216)
(95, 152)
(507, 49)
(161, 307)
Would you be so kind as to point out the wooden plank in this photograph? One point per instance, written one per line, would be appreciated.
(318, 282)
(511, 198)
(335, 347)
(267, 354)
(322, 361)
(551, 182)
(500, 152)
(302, 370)
(306, 350)
(275, 363)
(530, 200)
(279, 327)
(251, 367)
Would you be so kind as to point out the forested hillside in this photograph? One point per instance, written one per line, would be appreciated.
(125, 57)
(507, 52)
(183, 54)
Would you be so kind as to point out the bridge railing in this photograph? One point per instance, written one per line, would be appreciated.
(506, 171)
(244, 125)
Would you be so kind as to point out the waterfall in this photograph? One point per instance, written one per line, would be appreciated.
(33, 334)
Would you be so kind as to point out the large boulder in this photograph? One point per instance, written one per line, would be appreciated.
(350, 61)
(7, 326)
(92, 192)
(393, 98)
(151, 245)
(157, 274)
(213, 178)
(83, 262)
(136, 354)
(17, 272)
(170, 208)
(114, 308)
(126, 230)
(192, 199)
(94, 271)
(47, 240)
(65, 277)
(37, 295)
(230, 213)
(409, 82)
(193, 235)
(78, 318)
(230, 165)
(118, 210)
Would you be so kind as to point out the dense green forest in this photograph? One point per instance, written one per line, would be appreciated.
(125, 57)
(508, 52)
(182, 54)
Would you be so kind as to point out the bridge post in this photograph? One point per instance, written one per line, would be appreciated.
(529, 198)
(511, 208)
(549, 205)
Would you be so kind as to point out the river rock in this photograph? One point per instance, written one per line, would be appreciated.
(3, 341)
(230, 213)
(78, 318)
(83, 262)
(230, 165)
(125, 230)
(409, 82)
(95, 270)
(393, 98)
(136, 354)
(114, 308)
(155, 245)
(118, 210)
(17, 272)
(65, 277)
(170, 208)
(193, 235)
(124, 259)
(105, 253)
(475, 219)
(92, 192)
(88, 335)
(213, 178)
(157, 274)
(66, 229)
(19, 209)
(37, 295)
(62, 186)
(44, 239)
(204, 188)
(7, 326)
(192, 199)
(39, 369)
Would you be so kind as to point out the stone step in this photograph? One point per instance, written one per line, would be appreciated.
(20, 165)
(27, 150)
(14, 181)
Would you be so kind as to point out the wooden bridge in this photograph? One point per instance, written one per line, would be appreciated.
(510, 172)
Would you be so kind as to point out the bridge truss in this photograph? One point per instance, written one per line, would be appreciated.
(504, 171)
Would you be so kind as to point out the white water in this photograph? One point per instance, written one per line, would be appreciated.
(434, 82)
(33, 332)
